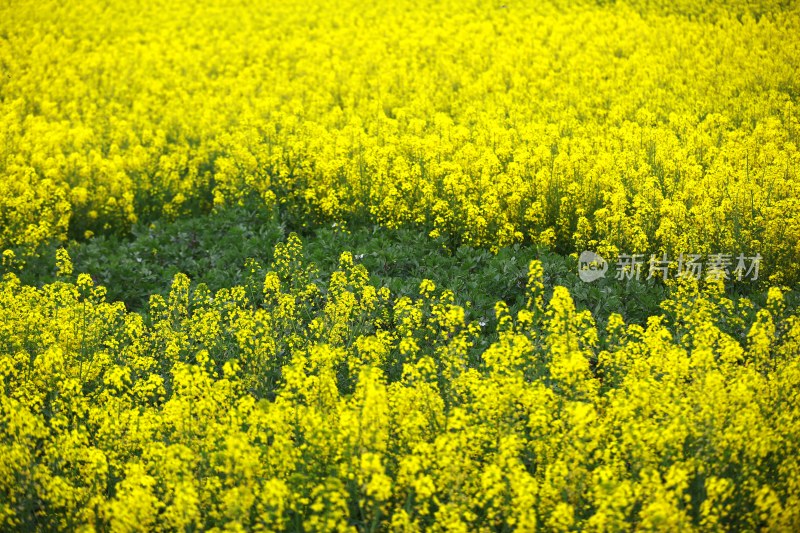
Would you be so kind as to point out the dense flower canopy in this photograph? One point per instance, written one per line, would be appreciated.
(301, 405)
(629, 127)
(297, 403)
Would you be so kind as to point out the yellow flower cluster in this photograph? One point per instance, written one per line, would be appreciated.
(293, 404)
(629, 127)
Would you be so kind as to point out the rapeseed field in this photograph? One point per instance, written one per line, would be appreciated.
(309, 399)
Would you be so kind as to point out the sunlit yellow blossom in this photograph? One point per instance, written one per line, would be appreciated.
(293, 402)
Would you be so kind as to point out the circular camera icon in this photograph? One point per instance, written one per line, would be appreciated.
(591, 266)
